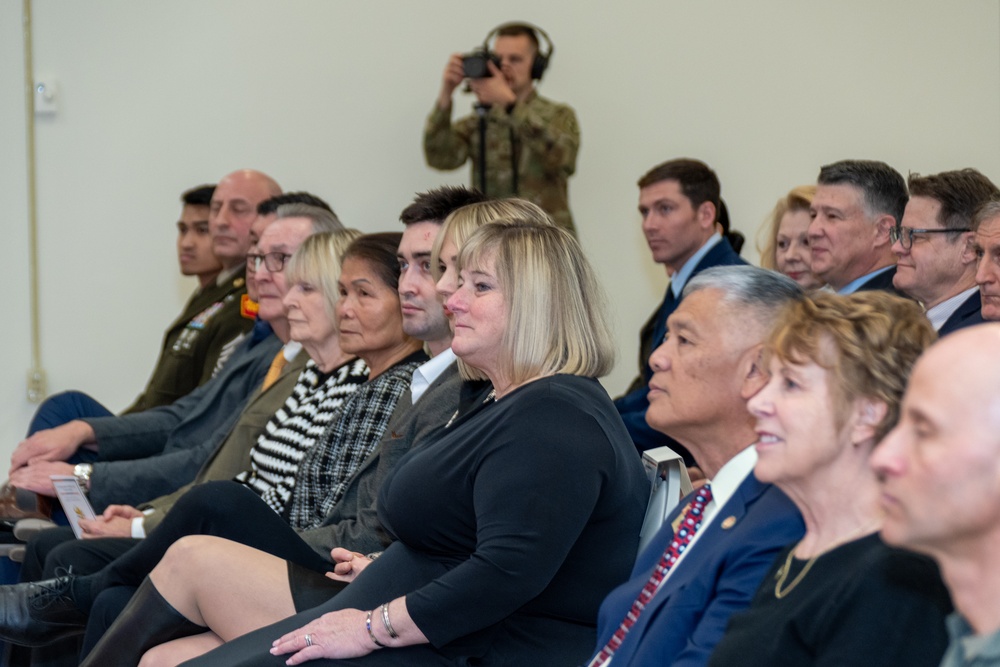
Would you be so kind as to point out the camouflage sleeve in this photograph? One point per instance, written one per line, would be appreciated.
(446, 145)
(549, 131)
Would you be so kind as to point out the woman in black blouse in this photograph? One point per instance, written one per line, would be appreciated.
(839, 365)
(511, 525)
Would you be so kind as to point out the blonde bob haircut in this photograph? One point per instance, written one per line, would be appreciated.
(868, 341)
(799, 199)
(317, 263)
(556, 315)
(460, 224)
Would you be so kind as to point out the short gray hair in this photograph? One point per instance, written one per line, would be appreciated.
(764, 293)
(883, 189)
(987, 211)
(323, 221)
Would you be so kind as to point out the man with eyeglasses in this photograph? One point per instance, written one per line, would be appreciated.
(935, 261)
(857, 203)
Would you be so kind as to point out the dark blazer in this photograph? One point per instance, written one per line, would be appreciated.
(969, 313)
(633, 404)
(882, 281)
(688, 615)
(353, 523)
(154, 452)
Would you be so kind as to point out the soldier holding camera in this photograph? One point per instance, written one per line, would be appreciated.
(530, 142)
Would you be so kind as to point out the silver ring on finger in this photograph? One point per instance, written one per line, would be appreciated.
(309, 640)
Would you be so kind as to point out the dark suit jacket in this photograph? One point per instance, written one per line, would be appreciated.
(688, 615)
(232, 456)
(353, 523)
(632, 406)
(882, 281)
(968, 313)
(154, 452)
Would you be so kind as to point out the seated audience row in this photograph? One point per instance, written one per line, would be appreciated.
(810, 383)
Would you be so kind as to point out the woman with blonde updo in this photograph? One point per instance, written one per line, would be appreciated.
(787, 246)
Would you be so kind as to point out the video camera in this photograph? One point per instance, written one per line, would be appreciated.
(474, 64)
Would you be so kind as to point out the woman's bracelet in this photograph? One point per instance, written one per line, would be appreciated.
(386, 623)
(368, 625)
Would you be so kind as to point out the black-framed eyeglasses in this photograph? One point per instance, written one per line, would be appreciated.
(905, 234)
(274, 261)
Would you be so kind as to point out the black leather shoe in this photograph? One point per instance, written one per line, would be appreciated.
(39, 612)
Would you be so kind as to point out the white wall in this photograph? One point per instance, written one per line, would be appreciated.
(330, 96)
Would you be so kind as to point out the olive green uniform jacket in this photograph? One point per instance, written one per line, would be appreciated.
(193, 341)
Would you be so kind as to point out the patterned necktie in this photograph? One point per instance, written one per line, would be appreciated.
(688, 525)
(274, 372)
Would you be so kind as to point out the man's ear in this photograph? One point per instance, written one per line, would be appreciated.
(868, 414)
(968, 256)
(752, 371)
(706, 215)
(882, 226)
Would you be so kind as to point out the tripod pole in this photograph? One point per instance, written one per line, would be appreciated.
(481, 111)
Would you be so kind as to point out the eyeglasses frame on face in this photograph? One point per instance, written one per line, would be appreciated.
(274, 261)
(906, 238)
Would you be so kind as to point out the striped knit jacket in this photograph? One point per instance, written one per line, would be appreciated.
(296, 426)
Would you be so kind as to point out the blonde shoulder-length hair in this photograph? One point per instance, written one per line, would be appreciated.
(556, 315)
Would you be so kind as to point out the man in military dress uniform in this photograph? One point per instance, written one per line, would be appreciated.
(211, 317)
(531, 142)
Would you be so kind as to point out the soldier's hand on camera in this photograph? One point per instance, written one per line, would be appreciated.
(452, 79)
(493, 89)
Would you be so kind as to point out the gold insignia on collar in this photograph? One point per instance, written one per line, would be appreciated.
(238, 282)
(728, 522)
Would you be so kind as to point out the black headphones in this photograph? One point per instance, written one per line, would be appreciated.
(542, 59)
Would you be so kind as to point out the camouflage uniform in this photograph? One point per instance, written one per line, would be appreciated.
(546, 138)
(194, 340)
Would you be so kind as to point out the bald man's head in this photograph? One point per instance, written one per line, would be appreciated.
(940, 467)
(233, 209)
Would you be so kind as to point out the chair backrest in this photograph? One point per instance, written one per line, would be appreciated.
(669, 482)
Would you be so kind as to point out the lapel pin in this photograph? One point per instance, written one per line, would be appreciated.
(728, 522)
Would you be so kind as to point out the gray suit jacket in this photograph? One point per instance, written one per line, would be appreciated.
(353, 523)
(233, 455)
(155, 452)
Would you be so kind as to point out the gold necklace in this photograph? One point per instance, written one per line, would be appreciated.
(786, 568)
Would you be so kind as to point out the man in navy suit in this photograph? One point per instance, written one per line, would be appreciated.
(856, 205)
(935, 262)
(679, 202)
(704, 373)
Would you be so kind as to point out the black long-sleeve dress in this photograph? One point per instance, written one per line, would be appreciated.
(862, 603)
(511, 528)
